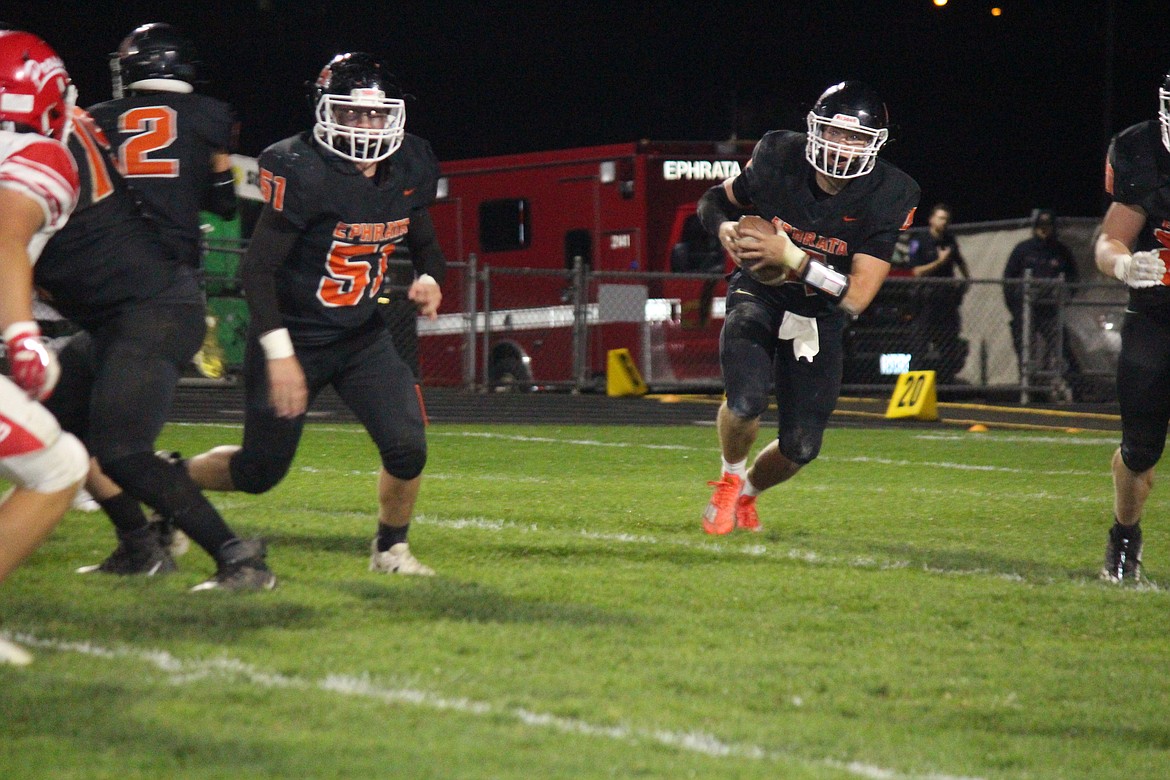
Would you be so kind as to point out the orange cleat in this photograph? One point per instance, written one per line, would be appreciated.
(745, 514)
(719, 517)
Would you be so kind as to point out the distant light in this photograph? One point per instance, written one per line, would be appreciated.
(997, 12)
(940, 3)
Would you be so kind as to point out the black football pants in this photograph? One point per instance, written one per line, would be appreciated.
(368, 376)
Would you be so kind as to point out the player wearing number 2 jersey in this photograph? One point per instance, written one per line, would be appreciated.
(141, 311)
(172, 143)
(338, 201)
(173, 146)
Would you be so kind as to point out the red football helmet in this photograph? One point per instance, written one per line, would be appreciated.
(35, 91)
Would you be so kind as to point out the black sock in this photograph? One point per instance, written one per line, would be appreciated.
(168, 488)
(390, 535)
(1131, 532)
(124, 512)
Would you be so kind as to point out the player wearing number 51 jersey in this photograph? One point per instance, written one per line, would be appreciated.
(172, 144)
(1134, 246)
(339, 201)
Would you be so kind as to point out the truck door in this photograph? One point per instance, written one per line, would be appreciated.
(694, 251)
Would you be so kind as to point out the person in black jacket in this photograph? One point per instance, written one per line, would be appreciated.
(1051, 265)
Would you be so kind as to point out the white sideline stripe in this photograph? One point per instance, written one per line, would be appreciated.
(823, 458)
(580, 442)
(1073, 441)
(756, 551)
(364, 687)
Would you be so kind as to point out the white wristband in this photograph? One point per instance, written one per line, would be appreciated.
(1121, 266)
(427, 278)
(277, 344)
(825, 278)
(20, 328)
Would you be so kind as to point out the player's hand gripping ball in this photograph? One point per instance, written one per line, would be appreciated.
(770, 275)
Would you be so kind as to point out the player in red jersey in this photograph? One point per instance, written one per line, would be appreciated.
(38, 190)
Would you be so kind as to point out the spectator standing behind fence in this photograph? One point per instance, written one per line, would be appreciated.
(935, 255)
(1051, 264)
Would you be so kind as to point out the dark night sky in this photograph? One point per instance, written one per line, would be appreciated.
(993, 115)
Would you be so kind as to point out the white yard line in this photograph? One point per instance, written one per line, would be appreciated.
(180, 671)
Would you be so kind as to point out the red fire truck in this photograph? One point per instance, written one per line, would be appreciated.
(514, 314)
(626, 213)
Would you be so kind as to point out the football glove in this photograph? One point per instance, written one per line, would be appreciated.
(1141, 269)
(33, 368)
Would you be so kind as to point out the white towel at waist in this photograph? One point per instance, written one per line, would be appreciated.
(806, 339)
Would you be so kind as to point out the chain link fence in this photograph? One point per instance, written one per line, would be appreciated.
(530, 329)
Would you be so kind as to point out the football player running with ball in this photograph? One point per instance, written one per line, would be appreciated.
(339, 200)
(1137, 178)
(837, 211)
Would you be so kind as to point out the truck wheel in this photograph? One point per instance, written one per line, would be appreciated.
(508, 371)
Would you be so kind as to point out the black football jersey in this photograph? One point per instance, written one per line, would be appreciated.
(108, 256)
(350, 227)
(163, 142)
(1137, 173)
(864, 217)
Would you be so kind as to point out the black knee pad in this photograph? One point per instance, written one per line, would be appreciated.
(161, 484)
(745, 354)
(406, 463)
(748, 404)
(1141, 456)
(800, 445)
(255, 474)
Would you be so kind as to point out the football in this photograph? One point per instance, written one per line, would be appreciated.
(769, 275)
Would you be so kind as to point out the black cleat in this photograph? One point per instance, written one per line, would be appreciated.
(170, 537)
(1123, 554)
(136, 553)
(240, 567)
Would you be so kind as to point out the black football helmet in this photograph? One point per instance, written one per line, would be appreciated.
(854, 109)
(1164, 111)
(359, 108)
(154, 56)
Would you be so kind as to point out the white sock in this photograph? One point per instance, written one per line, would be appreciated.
(739, 469)
(748, 488)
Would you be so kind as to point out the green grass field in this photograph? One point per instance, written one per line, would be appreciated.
(920, 604)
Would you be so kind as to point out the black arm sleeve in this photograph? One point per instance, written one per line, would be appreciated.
(220, 198)
(425, 252)
(715, 208)
(272, 242)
